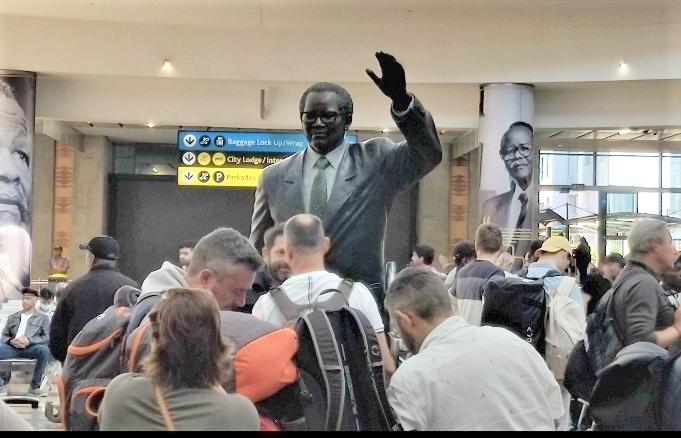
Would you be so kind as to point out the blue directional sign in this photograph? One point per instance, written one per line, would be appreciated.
(244, 142)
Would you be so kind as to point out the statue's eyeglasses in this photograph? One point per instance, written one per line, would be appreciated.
(327, 117)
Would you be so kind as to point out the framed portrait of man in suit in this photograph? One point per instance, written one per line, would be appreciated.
(512, 208)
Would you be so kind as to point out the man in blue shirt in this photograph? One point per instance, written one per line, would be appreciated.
(554, 255)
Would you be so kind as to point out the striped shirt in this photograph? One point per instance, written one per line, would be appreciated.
(468, 287)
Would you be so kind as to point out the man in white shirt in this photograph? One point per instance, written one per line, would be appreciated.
(306, 246)
(463, 377)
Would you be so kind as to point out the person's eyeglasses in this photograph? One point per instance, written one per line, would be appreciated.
(327, 117)
(524, 149)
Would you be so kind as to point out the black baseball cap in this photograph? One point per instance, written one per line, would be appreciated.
(102, 247)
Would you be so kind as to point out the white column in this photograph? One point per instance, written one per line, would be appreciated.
(508, 169)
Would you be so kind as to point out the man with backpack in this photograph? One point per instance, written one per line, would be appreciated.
(471, 279)
(619, 369)
(554, 258)
(306, 246)
(463, 377)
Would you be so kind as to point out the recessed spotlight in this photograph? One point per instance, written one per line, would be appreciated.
(167, 65)
(442, 131)
(150, 125)
(155, 170)
(623, 67)
(385, 130)
(90, 123)
(624, 131)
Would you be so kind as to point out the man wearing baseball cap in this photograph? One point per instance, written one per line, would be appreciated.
(554, 255)
(87, 296)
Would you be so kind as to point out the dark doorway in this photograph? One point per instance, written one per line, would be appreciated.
(151, 215)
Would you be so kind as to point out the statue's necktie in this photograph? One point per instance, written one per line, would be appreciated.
(318, 194)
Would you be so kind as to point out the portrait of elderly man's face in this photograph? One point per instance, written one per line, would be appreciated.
(15, 161)
(516, 151)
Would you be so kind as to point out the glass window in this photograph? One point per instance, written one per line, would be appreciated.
(671, 205)
(671, 171)
(649, 202)
(629, 170)
(566, 168)
(621, 203)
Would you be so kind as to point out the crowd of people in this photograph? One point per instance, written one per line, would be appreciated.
(461, 374)
(216, 341)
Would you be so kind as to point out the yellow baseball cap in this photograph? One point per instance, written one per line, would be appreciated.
(555, 244)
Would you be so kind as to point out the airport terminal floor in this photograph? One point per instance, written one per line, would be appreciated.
(349, 215)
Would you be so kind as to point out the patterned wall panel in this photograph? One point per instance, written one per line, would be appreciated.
(64, 162)
(458, 205)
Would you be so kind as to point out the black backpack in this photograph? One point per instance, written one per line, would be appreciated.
(627, 395)
(670, 399)
(339, 361)
(602, 341)
(518, 304)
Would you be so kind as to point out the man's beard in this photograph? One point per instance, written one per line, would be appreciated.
(409, 342)
(278, 272)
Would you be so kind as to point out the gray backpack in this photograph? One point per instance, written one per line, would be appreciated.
(339, 361)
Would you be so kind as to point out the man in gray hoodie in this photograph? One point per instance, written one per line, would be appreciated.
(224, 262)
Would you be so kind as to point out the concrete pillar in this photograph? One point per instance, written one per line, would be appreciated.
(17, 119)
(93, 163)
(508, 193)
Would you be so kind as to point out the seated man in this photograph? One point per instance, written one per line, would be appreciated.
(25, 337)
(306, 246)
(463, 377)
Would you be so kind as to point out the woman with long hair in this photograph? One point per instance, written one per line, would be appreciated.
(181, 385)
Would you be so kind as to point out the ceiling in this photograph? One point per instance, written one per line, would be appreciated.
(103, 60)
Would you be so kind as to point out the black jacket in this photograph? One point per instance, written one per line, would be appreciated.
(81, 301)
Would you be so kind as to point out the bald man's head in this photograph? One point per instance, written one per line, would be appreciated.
(304, 234)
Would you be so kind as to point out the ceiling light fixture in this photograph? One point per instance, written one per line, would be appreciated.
(624, 131)
(385, 130)
(150, 125)
(623, 67)
(167, 65)
(155, 170)
(442, 131)
(90, 123)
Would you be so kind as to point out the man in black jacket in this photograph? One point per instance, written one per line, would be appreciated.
(87, 296)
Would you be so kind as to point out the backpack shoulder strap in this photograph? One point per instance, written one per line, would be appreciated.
(565, 286)
(288, 308)
(337, 298)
